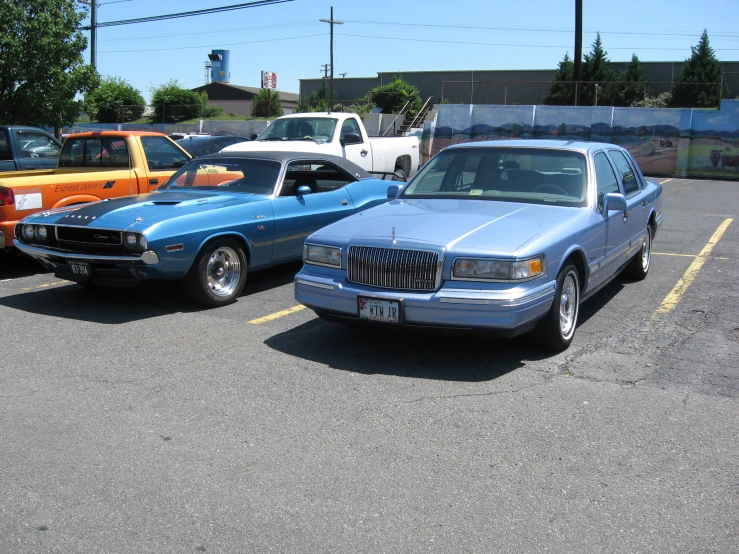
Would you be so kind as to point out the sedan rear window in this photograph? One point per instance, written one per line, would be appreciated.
(532, 175)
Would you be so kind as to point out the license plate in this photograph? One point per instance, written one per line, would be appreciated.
(80, 269)
(379, 309)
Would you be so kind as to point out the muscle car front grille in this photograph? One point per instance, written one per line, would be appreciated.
(393, 268)
(86, 236)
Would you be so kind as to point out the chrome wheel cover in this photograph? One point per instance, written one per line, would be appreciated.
(568, 306)
(223, 271)
(646, 251)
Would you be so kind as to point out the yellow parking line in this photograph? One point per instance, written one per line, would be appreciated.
(45, 285)
(683, 255)
(277, 315)
(665, 181)
(671, 300)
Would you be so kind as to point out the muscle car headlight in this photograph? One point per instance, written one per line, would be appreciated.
(322, 255)
(28, 232)
(41, 233)
(497, 270)
(143, 244)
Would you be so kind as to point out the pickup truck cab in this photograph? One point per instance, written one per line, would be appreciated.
(339, 134)
(92, 167)
(23, 148)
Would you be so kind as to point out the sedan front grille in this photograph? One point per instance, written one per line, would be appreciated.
(393, 268)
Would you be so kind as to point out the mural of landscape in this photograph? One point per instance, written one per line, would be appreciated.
(680, 142)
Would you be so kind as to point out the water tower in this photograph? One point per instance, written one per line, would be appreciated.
(220, 71)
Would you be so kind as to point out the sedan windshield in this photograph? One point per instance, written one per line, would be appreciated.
(318, 129)
(531, 175)
(245, 175)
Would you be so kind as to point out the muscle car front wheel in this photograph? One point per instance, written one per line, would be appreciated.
(219, 273)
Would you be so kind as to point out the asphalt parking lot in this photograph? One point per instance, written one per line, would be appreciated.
(134, 421)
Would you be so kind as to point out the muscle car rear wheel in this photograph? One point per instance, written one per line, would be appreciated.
(557, 329)
(639, 265)
(219, 273)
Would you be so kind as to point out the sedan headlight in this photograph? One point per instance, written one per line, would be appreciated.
(472, 269)
(322, 255)
(28, 232)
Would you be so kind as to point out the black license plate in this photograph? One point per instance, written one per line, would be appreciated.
(80, 270)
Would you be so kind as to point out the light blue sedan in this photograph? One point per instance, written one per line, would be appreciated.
(213, 219)
(509, 236)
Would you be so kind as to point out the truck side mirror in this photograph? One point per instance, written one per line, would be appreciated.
(253, 136)
(350, 138)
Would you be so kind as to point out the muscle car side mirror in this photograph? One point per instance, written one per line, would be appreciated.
(303, 190)
(613, 201)
(350, 138)
(393, 191)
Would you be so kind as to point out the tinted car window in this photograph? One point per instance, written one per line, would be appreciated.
(605, 177)
(232, 175)
(631, 184)
(162, 154)
(97, 152)
(4, 146)
(37, 145)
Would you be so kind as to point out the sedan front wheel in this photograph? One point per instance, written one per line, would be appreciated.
(218, 274)
(557, 329)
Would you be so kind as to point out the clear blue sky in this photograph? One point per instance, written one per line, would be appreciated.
(396, 36)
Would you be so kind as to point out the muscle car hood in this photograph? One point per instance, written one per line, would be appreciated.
(143, 210)
(464, 224)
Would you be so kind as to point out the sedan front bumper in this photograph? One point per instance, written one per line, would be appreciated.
(511, 311)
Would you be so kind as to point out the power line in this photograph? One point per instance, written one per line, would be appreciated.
(214, 31)
(253, 4)
(211, 45)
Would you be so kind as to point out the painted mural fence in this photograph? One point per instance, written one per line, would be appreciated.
(664, 141)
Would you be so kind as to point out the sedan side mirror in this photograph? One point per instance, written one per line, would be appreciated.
(303, 190)
(393, 191)
(613, 201)
(350, 138)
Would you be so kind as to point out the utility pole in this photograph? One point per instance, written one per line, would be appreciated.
(578, 49)
(324, 68)
(331, 22)
(93, 30)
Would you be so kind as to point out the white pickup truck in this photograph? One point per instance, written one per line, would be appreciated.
(339, 134)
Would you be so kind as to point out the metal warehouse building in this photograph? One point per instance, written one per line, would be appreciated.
(525, 86)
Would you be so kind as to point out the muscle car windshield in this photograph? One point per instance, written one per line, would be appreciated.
(530, 175)
(228, 175)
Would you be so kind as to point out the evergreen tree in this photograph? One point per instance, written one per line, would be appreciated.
(697, 85)
(262, 107)
(562, 90)
(597, 71)
(318, 100)
(633, 84)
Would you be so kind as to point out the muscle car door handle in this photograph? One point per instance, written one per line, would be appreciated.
(363, 152)
(344, 202)
(153, 181)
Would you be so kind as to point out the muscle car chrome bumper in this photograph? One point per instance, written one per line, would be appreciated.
(147, 258)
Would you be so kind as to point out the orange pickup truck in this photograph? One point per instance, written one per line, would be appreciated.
(92, 167)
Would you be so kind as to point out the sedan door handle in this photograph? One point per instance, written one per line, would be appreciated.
(363, 152)
(626, 215)
(644, 203)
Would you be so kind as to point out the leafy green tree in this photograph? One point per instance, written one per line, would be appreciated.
(598, 71)
(633, 84)
(212, 111)
(42, 70)
(698, 83)
(115, 101)
(318, 101)
(172, 103)
(392, 97)
(262, 102)
(661, 101)
(562, 89)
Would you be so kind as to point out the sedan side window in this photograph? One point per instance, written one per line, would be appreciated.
(631, 185)
(605, 177)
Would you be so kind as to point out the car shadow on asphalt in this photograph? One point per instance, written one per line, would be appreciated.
(123, 305)
(15, 266)
(421, 353)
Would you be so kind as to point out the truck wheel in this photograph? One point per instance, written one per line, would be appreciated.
(399, 175)
(218, 274)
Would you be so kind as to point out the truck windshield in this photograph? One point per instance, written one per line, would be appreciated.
(529, 175)
(318, 129)
(251, 176)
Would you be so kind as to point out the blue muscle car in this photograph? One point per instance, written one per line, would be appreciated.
(213, 219)
(505, 235)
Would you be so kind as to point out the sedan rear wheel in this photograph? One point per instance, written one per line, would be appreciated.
(218, 274)
(557, 329)
(639, 265)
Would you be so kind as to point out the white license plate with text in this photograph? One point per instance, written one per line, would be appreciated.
(379, 309)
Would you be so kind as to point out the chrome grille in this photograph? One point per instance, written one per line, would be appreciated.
(393, 268)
